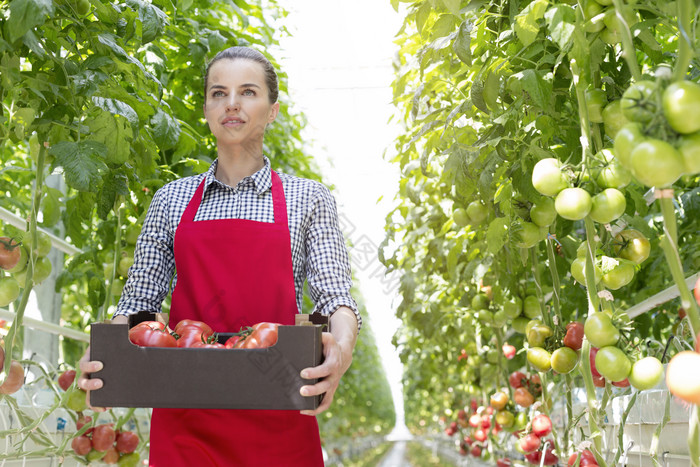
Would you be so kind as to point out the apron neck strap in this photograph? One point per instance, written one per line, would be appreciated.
(279, 204)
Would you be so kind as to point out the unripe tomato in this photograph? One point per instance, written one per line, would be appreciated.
(593, 13)
(638, 103)
(607, 206)
(505, 418)
(460, 217)
(547, 177)
(573, 203)
(513, 307)
(477, 212)
(613, 118)
(681, 105)
(528, 234)
(618, 277)
(14, 379)
(9, 290)
(596, 100)
(689, 148)
(564, 360)
(613, 174)
(632, 245)
(531, 307)
(656, 163)
(539, 358)
(626, 140)
(519, 324)
(578, 270)
(612, 363)
(480, 302)
(600, 331)
(543, 213)
(499, 400)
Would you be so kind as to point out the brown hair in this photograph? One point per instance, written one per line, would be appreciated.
(246, 53)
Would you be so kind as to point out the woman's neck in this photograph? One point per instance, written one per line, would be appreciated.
(234, 166)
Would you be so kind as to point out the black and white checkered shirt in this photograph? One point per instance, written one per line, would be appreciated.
(319, 254)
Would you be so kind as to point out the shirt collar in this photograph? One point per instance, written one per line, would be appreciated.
(262, 179)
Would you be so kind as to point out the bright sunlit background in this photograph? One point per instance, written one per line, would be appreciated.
(339, 62)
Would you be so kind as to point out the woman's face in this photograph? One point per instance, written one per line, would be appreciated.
(237, 105)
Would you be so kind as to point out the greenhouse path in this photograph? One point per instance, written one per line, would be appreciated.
(397, 456)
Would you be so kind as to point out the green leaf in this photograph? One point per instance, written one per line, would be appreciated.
(443, 26)
(117, 107)
(114, 132)
(115, 183)
(496, 234)
(526, 26)
(539, 90)
(462, 43)
(153, 19)
(476, 93)
(25, 15)
(561, 21)
(166, 130)
(422, 16)
(83, 163)
(452, 6)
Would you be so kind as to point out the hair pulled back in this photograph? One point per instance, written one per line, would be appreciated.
(246, 53)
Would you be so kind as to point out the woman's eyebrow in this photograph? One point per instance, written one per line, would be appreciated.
(249, 85)
(217, 86)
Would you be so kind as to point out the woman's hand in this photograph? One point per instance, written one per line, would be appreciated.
(86, 367)
(337, 351)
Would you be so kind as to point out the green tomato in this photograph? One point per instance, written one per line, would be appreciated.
(618, 277)
(632, 245)
(43, 244)
(480, 302)
(537, 332)
(564, 360)
(531, 307)
(578, 270)
(612, 364)
(582, 249)
(477, 212)
(460, 217)
(573, 203)
(82, 7)
(528, 235)
(638, 102)
(129, 460)
(626, 139)
(519, 324)
(605, 2)
(596, 100)
(610, 36)
(513, 307)
(23, 260)
(689, 148)
(612, 174)
(656, 163)
(607, 206)
(613, 118)
(132, 233)
(547, 177)
(124, 264)
(539, 358)
(9, 290)
(646, 373)
(543, 213)
(593, 13)
(500, 318)
(76, 400)
(681, 105)
(600, 331)
(42, 270)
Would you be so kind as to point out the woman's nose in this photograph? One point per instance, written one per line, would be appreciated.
(232, 103)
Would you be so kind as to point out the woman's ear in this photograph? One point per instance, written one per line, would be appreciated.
(274, 111)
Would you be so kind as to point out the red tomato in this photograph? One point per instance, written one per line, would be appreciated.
(190, 337)
(594, 370)
(696, 291)
(499, 400)
(541, 425)
(103, 437)
(231, 342)
(621, 384)
(265, 334)
(530, 443)
(587, 458)
(190, 323)
(127, 441)
(517, 379)
(574, 335)
(81, 422)
(14, 379)
(66, 379)
(523, 397)
(503, 462)
(480, 435)
(476, 450)
(111, 456)
(9, 253)
(540, 458)
(205, 345)
(475, 420)
(81, 445)
(151, 325)
(146, 336)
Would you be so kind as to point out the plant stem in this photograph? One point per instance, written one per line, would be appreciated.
(685, 49)
(115, 262)
(19, 312)
(595, 433)
(694, 436)
(654, 445)
(546, 317)
(628, 51)
(591, 289)
(669, 245)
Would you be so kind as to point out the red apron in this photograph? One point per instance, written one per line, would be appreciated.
(231, 273)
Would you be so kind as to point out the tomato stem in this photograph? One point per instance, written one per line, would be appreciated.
(685, 50)
(115, 261)
(694, 436)
(628, 51)
(19, 311)
(595, 433)
(546, 317)
(591, 289)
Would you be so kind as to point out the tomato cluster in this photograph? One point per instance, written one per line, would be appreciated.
(104, 443)
(198, 334)
(14, 257)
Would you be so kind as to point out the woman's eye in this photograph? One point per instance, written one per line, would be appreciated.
(248, 92)
(217, 94)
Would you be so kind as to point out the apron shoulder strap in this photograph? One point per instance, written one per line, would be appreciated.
(193, 205)
(279, 203)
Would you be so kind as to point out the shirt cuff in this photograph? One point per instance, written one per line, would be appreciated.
(333, 305)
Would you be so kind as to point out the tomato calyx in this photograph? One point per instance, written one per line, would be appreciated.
(9, 243)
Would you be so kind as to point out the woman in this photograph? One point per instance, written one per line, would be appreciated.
(243, 240)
